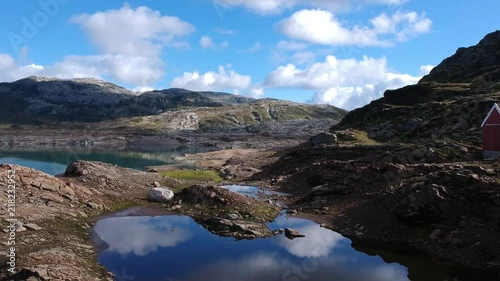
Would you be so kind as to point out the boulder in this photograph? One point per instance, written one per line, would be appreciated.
(160, 194)
(324, 138)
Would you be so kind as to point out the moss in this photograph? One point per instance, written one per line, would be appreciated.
(205, 175)
(266, 212)
(187, 178)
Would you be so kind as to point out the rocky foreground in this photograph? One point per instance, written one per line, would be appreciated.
(53, 216)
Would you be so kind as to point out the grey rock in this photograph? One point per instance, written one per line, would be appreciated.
(32, 226)
(324, 138)
(232, 216)
(160, 194)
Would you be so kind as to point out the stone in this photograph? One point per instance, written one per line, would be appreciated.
(160, 194)
(435, 234)
(52, 197)
(231, 216)
(292, 233)
(157, 184)
(94, 205)
(32, 226)
(324, 138)
(48, 186)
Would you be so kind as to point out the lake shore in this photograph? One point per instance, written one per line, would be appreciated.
(71, 203)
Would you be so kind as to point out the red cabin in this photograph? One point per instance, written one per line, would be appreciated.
(491, 133)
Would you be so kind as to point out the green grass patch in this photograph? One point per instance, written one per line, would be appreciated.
(205, 175)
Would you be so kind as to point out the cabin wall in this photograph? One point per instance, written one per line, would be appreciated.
(491, 138)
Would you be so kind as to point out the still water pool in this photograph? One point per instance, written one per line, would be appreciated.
(176, 248)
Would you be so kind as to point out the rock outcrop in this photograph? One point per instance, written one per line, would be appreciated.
(469, 64)
(449, 103)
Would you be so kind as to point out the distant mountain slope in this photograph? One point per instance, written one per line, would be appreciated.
(449, 103)
(40, 100)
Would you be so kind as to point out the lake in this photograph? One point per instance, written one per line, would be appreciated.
(55, 161)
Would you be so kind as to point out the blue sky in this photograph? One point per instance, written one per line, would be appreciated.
(341, 52)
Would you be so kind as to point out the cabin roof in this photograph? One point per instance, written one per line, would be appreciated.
(493, 109)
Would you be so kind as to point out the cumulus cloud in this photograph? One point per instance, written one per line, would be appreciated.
(426, 69)
(323, 27)
(278, 6)
(209, 81)
(130, 42)
(346, 83)
(207, 42)
(134, 32)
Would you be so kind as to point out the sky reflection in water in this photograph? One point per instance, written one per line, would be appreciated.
(176, 248)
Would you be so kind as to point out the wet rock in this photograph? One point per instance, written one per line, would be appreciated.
(237, 228)
(292, 233)
(160, 194)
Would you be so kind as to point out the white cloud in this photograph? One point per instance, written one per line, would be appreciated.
(322, 27)
(130, 42)
(291, 45)
(134, 70)
(426, 69)
(223, 31)
(278, 6)
(303, 57)
(209, 81)
(135, 32)
(207, 42)
(255, 48)
(256, 92)
(346, 83)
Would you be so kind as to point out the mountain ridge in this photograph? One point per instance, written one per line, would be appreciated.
(39, 100)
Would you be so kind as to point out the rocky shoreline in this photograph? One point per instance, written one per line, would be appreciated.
(366, 193)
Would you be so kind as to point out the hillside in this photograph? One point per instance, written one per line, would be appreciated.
(41, 101)
(449, 103)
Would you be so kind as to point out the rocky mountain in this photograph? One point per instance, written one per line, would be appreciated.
(449, 103)
(468, 64)
(40, 100)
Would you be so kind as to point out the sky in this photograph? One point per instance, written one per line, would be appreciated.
(340, 52)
